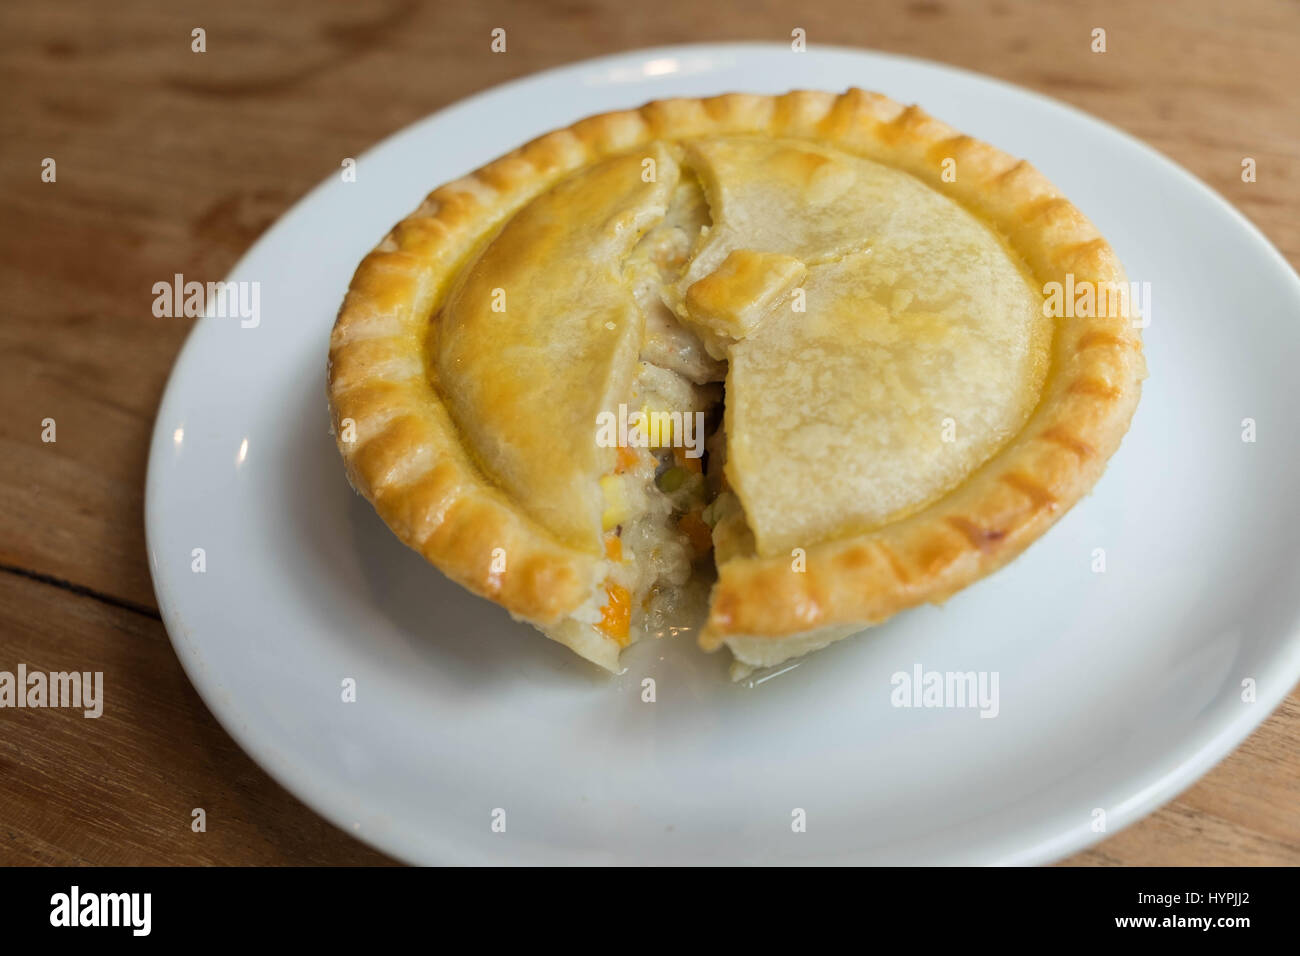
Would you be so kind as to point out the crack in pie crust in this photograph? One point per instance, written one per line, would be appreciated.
(890, 415)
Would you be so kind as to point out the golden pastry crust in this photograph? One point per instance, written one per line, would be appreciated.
(408, 458)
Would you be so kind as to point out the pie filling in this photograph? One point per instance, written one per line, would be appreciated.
(656, 538)
(877, 343)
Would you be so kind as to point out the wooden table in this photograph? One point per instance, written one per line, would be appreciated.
(173, 161)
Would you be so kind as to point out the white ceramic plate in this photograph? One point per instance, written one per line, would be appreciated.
(1116, 689)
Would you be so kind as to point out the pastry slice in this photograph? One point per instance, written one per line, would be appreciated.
(759, 369)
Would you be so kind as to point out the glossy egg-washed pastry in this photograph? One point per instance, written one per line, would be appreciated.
(849, 293)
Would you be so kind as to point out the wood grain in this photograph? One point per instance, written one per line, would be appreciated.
(171, 161)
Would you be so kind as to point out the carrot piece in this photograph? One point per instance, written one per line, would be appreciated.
(626, 459)
(613, 547)
(616, 616)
